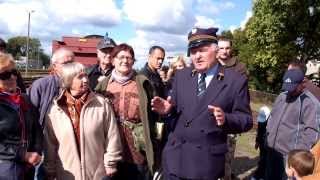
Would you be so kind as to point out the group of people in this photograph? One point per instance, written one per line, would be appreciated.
(111, 122)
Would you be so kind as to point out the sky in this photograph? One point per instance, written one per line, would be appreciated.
(140, 23)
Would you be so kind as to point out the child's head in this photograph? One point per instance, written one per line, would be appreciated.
(300, 163)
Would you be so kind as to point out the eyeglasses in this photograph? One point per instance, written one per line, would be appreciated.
(124, 57)
(7, 74)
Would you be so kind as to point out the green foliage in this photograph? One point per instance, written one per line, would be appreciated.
(278, 31)
(17, 46)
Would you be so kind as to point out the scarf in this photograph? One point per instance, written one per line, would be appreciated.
(17, 102)
(73, 109)
(123, 80)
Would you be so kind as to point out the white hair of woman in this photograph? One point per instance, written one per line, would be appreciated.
(69, 71)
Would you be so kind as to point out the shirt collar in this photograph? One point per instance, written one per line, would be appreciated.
(212, 71)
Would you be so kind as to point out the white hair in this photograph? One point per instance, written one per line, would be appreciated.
(60, 53)
(69, 71)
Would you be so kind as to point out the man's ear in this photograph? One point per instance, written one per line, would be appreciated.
(295, 174)
(290, 171)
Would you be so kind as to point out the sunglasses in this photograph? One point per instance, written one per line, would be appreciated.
(7, 74)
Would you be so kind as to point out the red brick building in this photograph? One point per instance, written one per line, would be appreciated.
(84, 48)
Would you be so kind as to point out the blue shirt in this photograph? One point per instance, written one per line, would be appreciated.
(209, 74)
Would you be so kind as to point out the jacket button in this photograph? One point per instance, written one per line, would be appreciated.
(202, 130)
(187, 124)
(199, 147)
(183, 141)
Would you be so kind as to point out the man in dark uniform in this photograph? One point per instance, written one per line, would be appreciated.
(208, 102)
(104, 66)
(150, 70)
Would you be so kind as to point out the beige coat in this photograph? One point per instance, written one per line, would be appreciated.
(100, 144)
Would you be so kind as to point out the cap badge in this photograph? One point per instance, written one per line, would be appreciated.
(194, 30)
(288, 80)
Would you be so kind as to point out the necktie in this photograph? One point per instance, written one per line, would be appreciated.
(201, 85)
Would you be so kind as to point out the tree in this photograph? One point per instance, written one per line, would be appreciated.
(279, 31)
(17, 46)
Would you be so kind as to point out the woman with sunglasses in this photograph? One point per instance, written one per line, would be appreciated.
(20, 133)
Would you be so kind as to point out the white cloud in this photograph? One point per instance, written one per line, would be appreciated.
(209, 7)
(4, 28)
(229, 5)
(172, 43)
(165, 15)
(246, 19)
(205, 22)
(95, 12)
(233, 27)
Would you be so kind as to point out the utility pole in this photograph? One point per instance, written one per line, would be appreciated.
(28, 37)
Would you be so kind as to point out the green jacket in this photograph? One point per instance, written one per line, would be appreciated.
(146, 92)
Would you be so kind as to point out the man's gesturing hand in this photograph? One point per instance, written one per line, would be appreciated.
(161, 106)
(218, 113)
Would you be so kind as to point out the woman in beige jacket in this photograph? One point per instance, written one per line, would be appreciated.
(81, 134)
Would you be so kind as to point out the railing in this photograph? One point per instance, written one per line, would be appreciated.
(32, 75)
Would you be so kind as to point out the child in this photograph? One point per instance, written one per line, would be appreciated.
(300, 163)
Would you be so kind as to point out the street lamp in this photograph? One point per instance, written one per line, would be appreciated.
(27, 55)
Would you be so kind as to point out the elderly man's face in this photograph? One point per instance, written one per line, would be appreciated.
(204, 57)
(104, 58)
(65, 58)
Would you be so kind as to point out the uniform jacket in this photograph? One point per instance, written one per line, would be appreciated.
(10, 133)
(148, 118)
(294, 124)
(196, 148)
(100, 144)
(42, 92)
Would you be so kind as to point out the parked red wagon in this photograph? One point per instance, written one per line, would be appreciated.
(84, 48)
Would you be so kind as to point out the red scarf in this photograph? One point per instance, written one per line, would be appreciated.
(14, 99)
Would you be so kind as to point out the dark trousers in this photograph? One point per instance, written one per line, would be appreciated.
(129, 171)
(39, 172)
(275, 168)
(261, 169)
(10, 170)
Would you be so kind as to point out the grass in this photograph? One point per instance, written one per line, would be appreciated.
(245, 144)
